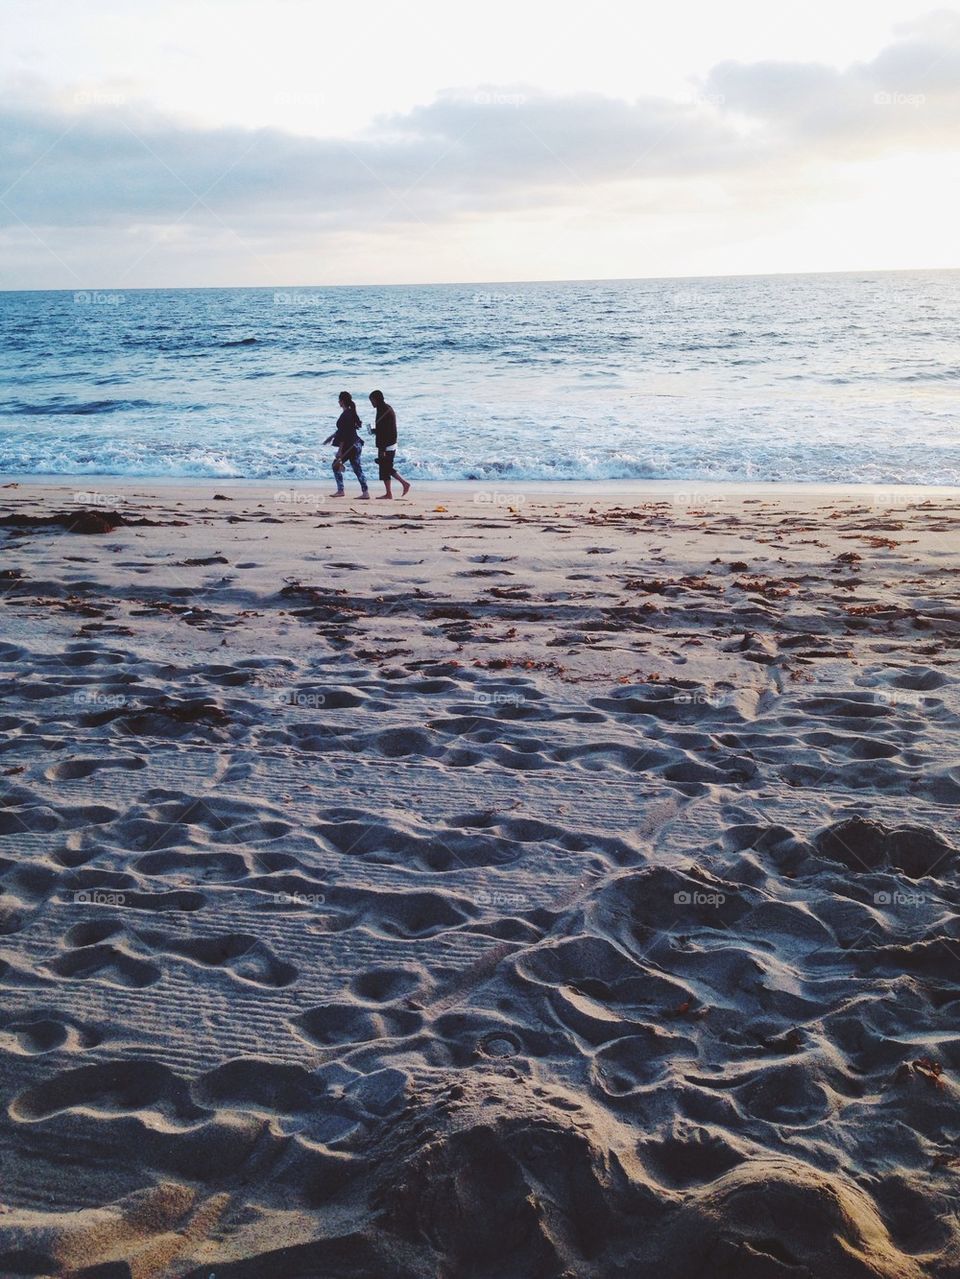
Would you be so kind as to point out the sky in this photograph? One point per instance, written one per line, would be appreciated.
(280, 143)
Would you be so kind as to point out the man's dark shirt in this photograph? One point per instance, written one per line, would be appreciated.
(385, 429)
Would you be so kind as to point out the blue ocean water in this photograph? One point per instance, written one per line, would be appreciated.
(849, 377)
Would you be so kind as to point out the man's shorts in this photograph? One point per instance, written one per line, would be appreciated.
(385, 464)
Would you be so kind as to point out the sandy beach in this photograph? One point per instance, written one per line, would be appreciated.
(541, 883)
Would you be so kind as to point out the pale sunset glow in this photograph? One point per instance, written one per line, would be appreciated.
(216, 143)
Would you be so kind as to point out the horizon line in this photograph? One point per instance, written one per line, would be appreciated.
(424, 284)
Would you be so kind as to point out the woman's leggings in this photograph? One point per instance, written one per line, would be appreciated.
(354, 459)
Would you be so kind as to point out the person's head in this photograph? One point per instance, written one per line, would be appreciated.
(346, 400)
(376, 399)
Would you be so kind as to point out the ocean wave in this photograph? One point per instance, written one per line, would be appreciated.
(60, 407)
(929, 375)
(303, 463)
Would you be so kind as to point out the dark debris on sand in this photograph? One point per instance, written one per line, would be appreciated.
(82, 521)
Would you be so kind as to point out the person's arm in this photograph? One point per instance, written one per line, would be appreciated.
(391, 429)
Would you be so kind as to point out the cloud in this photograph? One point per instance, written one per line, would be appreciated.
(908, 97)
(495, 145)
(98, 160)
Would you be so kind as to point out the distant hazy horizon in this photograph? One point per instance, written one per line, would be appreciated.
(467, 284)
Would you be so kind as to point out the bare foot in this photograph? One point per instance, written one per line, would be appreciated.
(336, 495)
(364, 497)
(406, 488)
(385, 497)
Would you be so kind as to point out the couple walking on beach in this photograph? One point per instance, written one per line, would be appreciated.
(350, 445)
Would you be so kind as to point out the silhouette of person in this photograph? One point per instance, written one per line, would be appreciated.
(385, 433)
(349, 446)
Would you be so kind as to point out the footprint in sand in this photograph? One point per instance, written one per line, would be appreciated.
(109, 1088)
(385, 984)
(340, 1024)
(208, 867)
(31, 1035)
(245, 957)
(72, 770)
(107, 964)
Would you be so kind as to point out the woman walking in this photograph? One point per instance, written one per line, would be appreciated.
(385, 431)
(349, 446)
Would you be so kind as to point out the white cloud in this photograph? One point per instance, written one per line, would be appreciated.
(141, 181)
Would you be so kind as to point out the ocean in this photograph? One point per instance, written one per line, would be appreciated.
(823, 378)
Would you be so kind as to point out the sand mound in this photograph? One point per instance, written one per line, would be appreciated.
(774, 1220)
(493, 1175)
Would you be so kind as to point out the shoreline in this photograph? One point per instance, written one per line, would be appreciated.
(123, 484)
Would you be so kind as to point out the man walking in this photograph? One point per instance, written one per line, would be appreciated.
(385, 432)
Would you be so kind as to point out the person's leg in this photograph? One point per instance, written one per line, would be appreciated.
(384, 469)
(405, 484)
(358, 472)
(338, 476)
